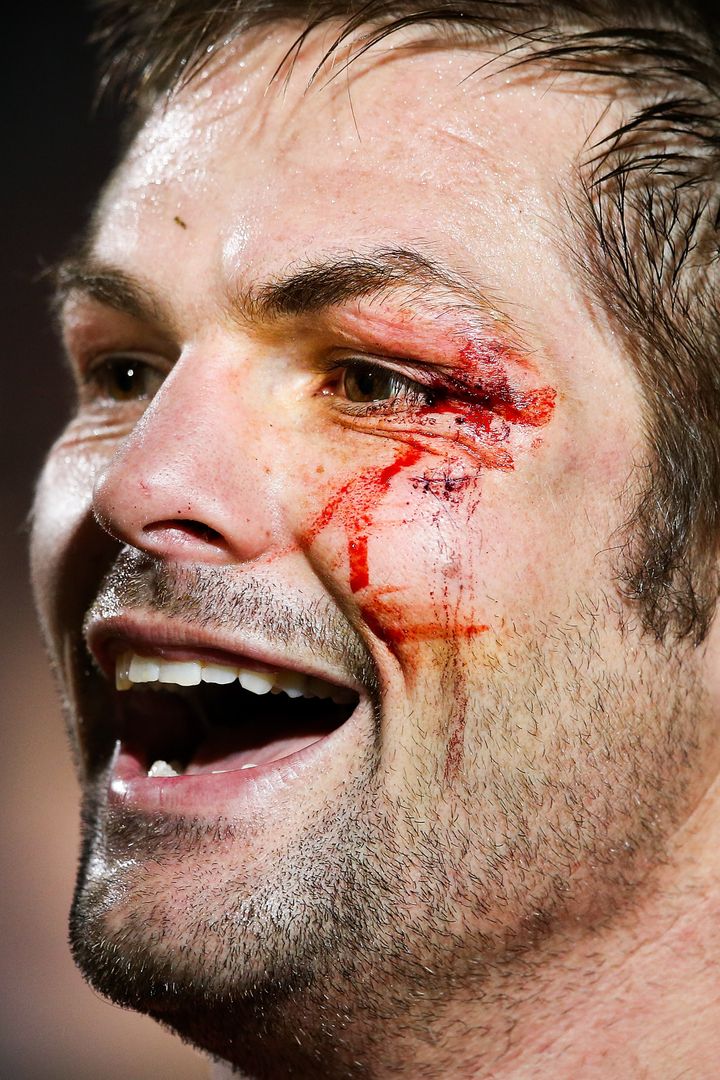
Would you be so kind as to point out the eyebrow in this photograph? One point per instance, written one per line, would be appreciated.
(308, 289)
(109, 286)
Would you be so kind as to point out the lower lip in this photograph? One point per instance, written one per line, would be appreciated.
(219, 793)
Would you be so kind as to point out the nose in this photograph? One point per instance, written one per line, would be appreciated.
(190, 482)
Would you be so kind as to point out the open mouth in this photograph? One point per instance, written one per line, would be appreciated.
(186, 717)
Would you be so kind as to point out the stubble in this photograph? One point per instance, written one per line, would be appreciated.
(363, 929)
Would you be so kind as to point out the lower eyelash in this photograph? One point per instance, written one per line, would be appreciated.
(390, 406)
(403, 388)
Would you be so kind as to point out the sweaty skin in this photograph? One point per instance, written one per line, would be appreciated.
(417, 491)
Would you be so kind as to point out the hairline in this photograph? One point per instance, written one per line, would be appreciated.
(632, 267)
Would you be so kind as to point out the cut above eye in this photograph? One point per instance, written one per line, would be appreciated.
(363, 383)
(124, 378)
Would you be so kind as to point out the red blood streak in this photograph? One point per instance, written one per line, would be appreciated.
(359, 569)
(400, 633)
(455, 748)
(484, 406)
(353, 504)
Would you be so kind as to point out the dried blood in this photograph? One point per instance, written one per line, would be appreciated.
(485, 407)
(353, 505)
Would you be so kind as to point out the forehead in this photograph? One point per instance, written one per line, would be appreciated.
(407, 144)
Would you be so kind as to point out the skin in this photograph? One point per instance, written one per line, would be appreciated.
(510, 849)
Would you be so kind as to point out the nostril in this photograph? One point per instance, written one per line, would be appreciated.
(198, 530)
(202, 531)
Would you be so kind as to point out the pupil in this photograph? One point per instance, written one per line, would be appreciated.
(125, 379)
(365, 384)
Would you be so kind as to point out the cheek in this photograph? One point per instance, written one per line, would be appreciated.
(66, 545)
(403, 549)
(432, 551)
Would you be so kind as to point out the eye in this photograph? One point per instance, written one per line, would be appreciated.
(124, 378)
(366, 383)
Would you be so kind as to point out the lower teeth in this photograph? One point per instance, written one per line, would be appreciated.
(163, 768)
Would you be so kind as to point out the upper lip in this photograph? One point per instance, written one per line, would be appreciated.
(152, 635)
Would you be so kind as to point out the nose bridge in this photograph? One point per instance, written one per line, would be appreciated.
(187, 481)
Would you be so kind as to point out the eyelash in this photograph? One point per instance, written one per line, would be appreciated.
(101, 382)
(403, 391)
(96, 379)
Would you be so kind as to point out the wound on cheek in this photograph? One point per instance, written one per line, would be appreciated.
(474, 412)
(353, 506)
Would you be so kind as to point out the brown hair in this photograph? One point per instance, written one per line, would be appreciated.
(650, 212)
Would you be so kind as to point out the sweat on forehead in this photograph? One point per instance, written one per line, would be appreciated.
(647, 212)
(303, 168)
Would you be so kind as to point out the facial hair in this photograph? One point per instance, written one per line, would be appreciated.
(369, 923)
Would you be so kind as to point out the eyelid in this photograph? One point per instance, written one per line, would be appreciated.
(145, 356)
(91, 330)
(89, 367)
(424, 373)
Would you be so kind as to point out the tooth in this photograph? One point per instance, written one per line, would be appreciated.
(122, 667)
(291, 683)
(256, 681)
(131, 669)
(219, 673)
(162, 768)
(180, 672)
(142, 670)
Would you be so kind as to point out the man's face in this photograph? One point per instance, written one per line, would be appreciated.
(354, 430)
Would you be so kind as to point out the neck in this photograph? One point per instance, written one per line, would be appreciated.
(637, 997)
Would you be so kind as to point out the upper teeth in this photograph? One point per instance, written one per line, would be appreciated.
(131, 669)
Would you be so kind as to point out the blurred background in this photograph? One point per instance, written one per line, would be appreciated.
(52, 1026)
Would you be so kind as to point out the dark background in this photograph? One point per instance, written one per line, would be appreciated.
(52, 1026)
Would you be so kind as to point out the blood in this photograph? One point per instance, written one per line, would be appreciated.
(353, 504)
(455, 747)
(399, 633)
(359, 569)
(484, 406)
(445, 483)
